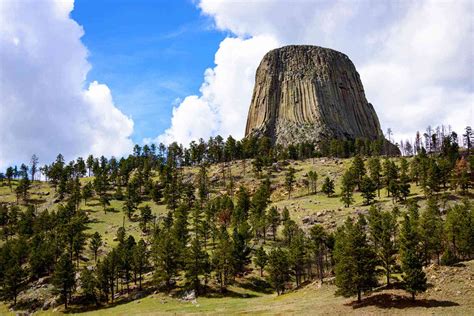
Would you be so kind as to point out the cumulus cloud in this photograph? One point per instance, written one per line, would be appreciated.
(45, 106)
(415, 59)
(225, 93)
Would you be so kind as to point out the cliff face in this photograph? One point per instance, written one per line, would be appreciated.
(309, 93)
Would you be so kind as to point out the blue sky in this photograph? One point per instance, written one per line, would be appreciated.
(149, 53)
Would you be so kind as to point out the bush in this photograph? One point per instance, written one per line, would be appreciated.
(448, 258)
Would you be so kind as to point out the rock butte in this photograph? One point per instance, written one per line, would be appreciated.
(309, 93)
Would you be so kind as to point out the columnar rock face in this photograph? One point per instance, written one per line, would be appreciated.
(309, 93)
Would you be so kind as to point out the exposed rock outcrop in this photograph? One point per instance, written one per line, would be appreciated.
(309, 93)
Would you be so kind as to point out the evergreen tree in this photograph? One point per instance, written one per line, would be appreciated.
(412, 263)
(358, 170)
(260, 201)
(347, 188)
(289, 230)
(278, 269)
(104, 201)
(146, 217)
(328, 186)
(64, 278)
(129, 208)
(313, 179)
(355, 260)
(223, 260)
(273, 219)
(242, 206)
(383, 230)
(22, 189)
(12, 273)
(197, 263)
(290, 180)
(285, 215)
(367, 188)
(87, 192)
(14, 276)
(95, 244)
(461, 177)
(89, 285)
(297, 255)
(240, 248)
(139, 261)
(166, 258)
(318, 238)
(260, 259)
(34, 166)
(431, 231)
(375, 171)
(459, 230)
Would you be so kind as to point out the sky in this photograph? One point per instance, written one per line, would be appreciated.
(97, 76)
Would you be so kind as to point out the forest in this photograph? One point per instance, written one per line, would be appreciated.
(214, 229)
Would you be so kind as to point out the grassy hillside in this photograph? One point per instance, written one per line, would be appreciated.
(451, 289)
(451, 292)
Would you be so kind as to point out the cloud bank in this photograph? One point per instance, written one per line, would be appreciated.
(45, 107)
(415, 59)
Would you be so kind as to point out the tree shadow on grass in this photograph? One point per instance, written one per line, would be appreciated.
(77, 309)
(257, 285)
(214, 293)
(386, 300)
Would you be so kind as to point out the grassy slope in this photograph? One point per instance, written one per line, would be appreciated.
(455, 298)
(308, 300)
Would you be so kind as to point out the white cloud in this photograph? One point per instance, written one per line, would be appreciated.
(225, 93)
(44, 106)
(423, 73)
(415, 59)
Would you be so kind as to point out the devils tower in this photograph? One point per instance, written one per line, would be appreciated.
(309, 93)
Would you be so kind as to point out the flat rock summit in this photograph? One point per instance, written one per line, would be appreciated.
(309, 93)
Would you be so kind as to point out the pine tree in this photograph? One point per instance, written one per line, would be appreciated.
(318, 239)
(242, 207)
(12, 279)
(240, 248)
(166, 258)
(367, 188)
(87, 192)
(146, 217)
(129, 208)
(358, 170)
(297, 255)
(290, 180)
(64, 277)
(260, 259)
(347, 188)
(383, 230)
(89, 285)
(459, 229)
(278, 269)
(95, 244)
(289, 230)
(375, 170)
(355, 260)
(412, 263)
(139, 261)
(273, 219)
(328, 186)
(222, 259)
(431, 231)
(197, 262)
(313, 179)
